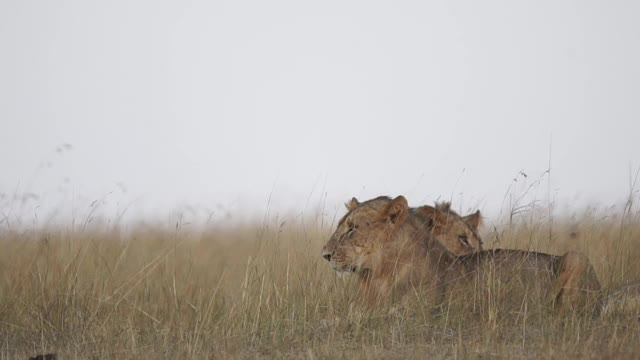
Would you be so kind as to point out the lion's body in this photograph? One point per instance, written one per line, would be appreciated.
(385, 243)
(568, 280)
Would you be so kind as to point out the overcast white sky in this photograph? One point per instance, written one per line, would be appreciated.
(220, 104)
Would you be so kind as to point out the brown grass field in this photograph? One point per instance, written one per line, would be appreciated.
(261, 290)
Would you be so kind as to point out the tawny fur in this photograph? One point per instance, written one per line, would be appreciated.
(390, 248)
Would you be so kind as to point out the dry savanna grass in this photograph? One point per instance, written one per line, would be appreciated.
(263, 290)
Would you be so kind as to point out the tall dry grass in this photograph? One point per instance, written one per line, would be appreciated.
(262, 290)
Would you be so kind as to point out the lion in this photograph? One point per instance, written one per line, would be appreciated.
(390, 249)
(459, 234)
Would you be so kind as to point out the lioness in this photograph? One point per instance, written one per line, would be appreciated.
(385, 244)
(459, 234)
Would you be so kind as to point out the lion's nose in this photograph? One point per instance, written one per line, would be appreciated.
(327, 256)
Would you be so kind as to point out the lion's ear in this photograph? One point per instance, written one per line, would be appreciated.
(397, 210)
(444, 206)
(352, 204)
(473, 220)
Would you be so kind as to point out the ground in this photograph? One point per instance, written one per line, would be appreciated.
(263, 291)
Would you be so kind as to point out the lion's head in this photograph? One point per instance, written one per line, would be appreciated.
(459, 234)
(392, 247)
(359, 242)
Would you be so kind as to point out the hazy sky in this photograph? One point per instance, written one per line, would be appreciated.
(222, 104)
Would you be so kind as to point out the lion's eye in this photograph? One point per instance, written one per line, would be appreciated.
(351, 228)
(463, 239)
